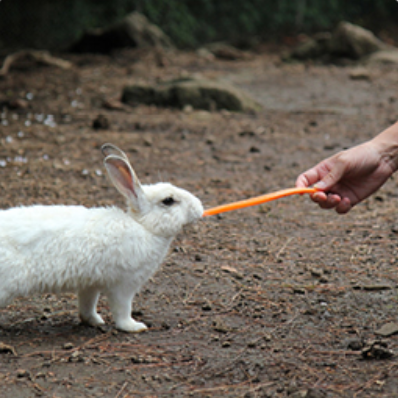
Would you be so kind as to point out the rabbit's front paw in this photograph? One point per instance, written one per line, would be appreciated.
(92, 320)
(131, 326)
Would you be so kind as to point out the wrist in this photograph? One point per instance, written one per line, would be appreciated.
(386, 144)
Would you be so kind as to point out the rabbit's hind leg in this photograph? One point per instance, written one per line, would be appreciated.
(120, 299)
(88, 298)
(5, 297)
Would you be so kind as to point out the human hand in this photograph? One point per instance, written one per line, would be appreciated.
(348, 177)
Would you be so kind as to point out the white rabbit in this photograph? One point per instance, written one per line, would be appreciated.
(88, 251)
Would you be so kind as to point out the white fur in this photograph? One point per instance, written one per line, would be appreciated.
(92, 251)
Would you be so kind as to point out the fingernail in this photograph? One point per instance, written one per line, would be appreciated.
(320, 185)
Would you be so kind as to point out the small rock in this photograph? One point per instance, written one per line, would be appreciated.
(22, 373)
(148, 141)
(206, 306)
(298, 290)
(355, 345)
(316, 272)
(220, 327)
(112, 104)
(76, 356)
(67, 346)
(388, 329)
(267, 337)
(376, 349)
(359, 74)
(5, 348)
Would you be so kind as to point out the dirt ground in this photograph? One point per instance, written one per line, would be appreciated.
(271, 301)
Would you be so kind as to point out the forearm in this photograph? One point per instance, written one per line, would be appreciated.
(386, 143)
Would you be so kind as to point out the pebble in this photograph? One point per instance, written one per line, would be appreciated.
(360, 73)
(317, 272)
(22, 373)
(68, 346)
(388, 329)
(220, 327)
(355, 345)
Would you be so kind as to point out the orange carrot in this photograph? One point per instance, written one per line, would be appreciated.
(257, 200)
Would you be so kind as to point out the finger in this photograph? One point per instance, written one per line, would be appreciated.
(302, 181)
(331, 201)
(319, 197)
(344, 206)
(332, 177)
(308, 178)
(325, 198)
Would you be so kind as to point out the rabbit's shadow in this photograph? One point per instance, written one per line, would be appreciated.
(50, 331)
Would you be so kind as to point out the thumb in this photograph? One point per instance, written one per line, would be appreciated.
(331, 178)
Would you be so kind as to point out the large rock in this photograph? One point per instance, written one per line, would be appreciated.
(383, 57)
(354, 41)
(346, 41)
(227, 52)
(314, 47)
(132, 31)
(198, 93)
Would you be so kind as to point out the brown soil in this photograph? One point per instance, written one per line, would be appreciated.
(270, 301)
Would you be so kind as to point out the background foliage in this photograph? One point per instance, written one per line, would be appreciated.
(57, 23)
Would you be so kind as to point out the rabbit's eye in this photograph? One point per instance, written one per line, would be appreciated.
(168, 201)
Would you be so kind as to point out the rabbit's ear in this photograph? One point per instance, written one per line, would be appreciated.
(126, 181)
(110, 149)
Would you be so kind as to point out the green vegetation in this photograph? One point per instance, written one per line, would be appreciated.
(55, 23)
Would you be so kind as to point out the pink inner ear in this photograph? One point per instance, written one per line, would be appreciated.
(124, 178)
